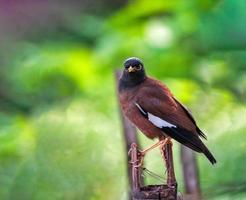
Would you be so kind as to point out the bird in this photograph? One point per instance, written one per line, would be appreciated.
(153, 109)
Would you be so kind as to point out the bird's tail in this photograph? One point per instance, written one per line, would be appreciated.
(190, 140)
(209, 155)
(201, 148)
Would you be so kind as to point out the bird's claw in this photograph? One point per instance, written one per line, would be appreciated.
(137, 163)
(129, 152)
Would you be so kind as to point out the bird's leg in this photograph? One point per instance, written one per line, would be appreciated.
(143, 152)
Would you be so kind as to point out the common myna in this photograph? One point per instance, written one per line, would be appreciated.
(152, 108)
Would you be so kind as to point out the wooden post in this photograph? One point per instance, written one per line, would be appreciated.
(168, 155)
(190, 174)
(135, 170)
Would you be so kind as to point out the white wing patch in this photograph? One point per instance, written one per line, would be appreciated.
(139, 107)
(160, 123)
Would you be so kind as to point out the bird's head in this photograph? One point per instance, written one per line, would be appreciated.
(133, 66)
(133, 73)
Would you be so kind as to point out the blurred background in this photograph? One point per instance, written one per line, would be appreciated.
(60, 130)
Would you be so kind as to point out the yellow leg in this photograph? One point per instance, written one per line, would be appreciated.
(143, 153)
(166, 141)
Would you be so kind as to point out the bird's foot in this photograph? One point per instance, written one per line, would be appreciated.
(141, 155)
(164, 142)
(129, 152)
(139, 162)
(169, 141)
(140, 158)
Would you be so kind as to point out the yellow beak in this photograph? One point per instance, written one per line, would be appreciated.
(131, 69)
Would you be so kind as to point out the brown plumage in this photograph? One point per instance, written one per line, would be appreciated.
(151, 107)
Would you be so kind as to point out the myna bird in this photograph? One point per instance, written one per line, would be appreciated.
(152, 108)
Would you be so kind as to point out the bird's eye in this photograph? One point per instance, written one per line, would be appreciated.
(139, 67)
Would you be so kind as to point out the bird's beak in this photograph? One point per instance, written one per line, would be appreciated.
(131, 69)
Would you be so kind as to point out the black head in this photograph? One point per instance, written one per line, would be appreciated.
(133, 73)
(134, 63)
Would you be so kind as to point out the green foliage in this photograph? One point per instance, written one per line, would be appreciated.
(60, 131)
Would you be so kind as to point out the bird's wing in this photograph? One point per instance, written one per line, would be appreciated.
(164, 112)
(157, 100)
(189, 115)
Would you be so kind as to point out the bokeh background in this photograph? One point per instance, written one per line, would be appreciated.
(60, 131)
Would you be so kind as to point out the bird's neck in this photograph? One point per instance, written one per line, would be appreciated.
(128, 82)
